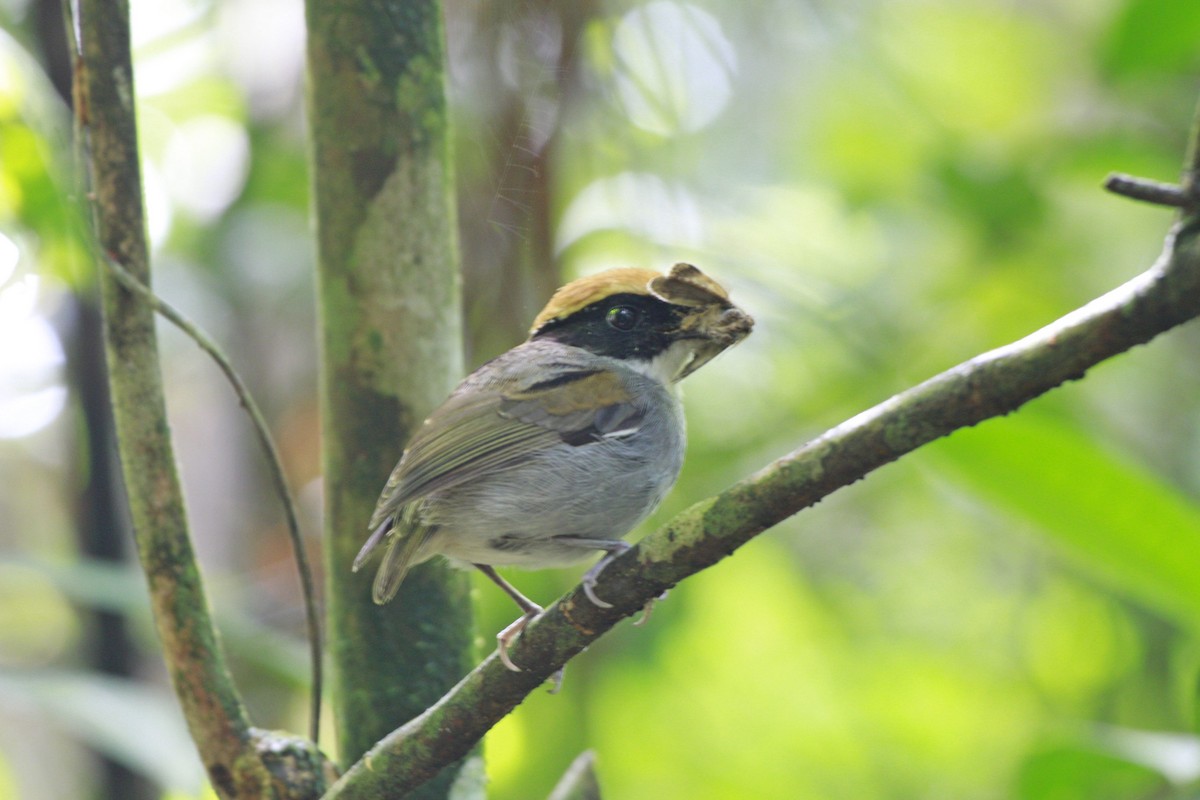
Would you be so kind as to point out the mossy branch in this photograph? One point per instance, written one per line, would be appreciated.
(987, 386)
(104, 115)
(388, 298)
(233, 754)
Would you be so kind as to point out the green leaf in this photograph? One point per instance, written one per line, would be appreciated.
(1109, 514)
(121, 589)
(1079, 771)
(137, 725)
(1152, 36)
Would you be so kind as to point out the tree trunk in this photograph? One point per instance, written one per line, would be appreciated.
(388, 289)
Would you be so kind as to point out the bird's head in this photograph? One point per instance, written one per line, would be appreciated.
(666, 326)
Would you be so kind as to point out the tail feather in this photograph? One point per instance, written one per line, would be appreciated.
(403, 553)
(368, 549)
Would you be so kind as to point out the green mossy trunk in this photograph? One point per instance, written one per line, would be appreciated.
(388, 288)
(104, 114)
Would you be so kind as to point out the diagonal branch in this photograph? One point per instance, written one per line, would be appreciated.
(990, 385)
(1148, 191)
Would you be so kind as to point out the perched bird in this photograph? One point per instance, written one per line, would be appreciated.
(562, 445)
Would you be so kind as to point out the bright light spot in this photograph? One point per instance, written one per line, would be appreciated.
(12, 85)
(642, 204)
(19, 298)
(153, 20)
(1175, 755)
(24, 414)
(169, 43)
(31, 359)
(10, 254)
(158, 204)
(674, 67)
(205, 165)
(270, 67)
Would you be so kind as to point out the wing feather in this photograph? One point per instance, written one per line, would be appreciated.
(481, 429)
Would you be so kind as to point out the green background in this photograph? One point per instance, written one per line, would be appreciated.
(890, 188)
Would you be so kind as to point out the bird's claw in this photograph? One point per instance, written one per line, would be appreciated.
(589, 589)
(505, 638)
(589, 577)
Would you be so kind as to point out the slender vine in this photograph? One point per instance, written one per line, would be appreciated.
(312, 614)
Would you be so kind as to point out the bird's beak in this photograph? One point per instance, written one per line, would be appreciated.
(712, 322)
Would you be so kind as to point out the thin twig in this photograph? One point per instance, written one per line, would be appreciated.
(274, 467)
(1147, 191)
(579, 782)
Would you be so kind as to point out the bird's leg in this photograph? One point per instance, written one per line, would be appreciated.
(505, 637)
(611, 547)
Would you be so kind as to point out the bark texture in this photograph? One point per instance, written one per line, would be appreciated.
(388, 290)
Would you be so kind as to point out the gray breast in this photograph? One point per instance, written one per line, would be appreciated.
(598, 490)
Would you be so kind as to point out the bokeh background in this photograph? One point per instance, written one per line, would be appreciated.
(889, 186)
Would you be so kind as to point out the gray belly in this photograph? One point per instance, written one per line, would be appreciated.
(513, 516)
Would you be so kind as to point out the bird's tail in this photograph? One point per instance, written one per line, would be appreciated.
(405, 540)
(368, 548)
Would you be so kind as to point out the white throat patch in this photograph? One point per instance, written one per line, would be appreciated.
(667, 365)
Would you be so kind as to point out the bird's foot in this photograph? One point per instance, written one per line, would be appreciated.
(506, 637)
(615, 549)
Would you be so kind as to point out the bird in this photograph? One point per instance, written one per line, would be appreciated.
(559, 447)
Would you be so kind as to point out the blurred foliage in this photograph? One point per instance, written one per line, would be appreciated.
(890, 187)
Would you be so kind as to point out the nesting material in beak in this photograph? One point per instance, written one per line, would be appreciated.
(713, 323)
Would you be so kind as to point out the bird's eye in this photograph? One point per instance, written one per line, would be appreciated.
(623, 318)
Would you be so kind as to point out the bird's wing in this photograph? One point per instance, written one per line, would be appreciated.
(482, 429)
(579, 405)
